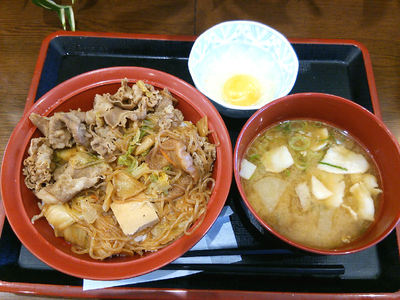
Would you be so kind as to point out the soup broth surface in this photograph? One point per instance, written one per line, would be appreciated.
(312, 183)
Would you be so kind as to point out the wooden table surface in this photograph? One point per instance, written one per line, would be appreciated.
(23, 26)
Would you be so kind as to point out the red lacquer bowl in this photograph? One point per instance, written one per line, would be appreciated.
(21, 205)
(360, 124)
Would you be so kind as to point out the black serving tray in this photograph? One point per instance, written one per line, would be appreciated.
(337, 67)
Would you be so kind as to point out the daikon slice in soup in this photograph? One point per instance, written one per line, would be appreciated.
(312, 183)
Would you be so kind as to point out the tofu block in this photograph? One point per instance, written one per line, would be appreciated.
(134, 216)
(335, 184)
(337, 198)
(247, 169)
(369, 182)
(350, 211)
(365, 204)
(319, 190)
(345, 160)
(303, 192)
(278, 159)
(270, 189)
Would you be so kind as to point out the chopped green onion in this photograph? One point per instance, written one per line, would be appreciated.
(145, 128)
(268, 138)
(167, 168)
(317, 124)
(296, 125)
(315, 155)
(254, 157)
(331, 165)
(140, 170)
(284, 126)
(300, 161)
(153, 178)
(142, 134)
(299, 142)
(145, 153)
(128, 161)
(123, 160)
(148, 123)
(132, 144)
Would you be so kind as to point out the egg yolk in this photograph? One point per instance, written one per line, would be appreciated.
(241, 90)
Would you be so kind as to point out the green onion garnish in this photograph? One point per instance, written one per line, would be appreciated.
(299, 142)
(334, 166)
(254, 157)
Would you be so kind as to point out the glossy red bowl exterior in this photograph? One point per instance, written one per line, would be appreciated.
(361, 125)
(21, 205)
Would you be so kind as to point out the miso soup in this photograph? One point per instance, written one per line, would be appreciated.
(312, 183)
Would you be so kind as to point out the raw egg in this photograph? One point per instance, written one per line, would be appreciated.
(242, 89)
(241, 77)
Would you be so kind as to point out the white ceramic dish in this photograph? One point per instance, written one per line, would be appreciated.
(243, 47)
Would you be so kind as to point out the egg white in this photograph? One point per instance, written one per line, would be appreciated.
(240, 61)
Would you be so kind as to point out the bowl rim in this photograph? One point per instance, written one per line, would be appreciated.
(263, 223)
(22, 134)
(263, 26)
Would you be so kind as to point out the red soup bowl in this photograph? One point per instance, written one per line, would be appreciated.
(362, 125)
(21, 204)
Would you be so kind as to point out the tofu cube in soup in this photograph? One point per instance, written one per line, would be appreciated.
(319, 190)
(277, 159)
(247, 169)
